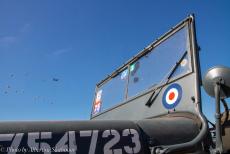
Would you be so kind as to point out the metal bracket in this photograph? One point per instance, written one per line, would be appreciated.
(217, 88)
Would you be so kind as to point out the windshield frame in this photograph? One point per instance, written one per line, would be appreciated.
(150, 48)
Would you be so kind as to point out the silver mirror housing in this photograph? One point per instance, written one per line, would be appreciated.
(216, 74)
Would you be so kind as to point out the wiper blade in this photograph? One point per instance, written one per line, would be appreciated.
(153, 97)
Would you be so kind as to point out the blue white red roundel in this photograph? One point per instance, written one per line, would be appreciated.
(172, 96)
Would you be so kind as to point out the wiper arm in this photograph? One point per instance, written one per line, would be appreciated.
(153, 97)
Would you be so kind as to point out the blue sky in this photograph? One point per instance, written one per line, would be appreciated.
(80, 42)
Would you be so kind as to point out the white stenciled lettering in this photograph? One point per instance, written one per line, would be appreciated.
(16, 142)
(62, 146)
(72, 143)
(85, 133)
(36, 142)
(32, 137)
(135, 140)
(6, 137)
(108, 146)
(93, 142)
(127, 149)
(45, 147)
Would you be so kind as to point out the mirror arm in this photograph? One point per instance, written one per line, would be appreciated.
(219, 144)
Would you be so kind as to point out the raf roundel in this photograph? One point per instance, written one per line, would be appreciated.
(172, 96)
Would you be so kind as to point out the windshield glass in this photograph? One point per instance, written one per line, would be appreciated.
(151, 69)
(146, 72)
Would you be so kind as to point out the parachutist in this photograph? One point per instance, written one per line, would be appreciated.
(55, 79)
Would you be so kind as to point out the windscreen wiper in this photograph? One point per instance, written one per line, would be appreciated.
(153, 96)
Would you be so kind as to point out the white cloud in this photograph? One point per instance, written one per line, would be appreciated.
(61, 51)
(7, 40)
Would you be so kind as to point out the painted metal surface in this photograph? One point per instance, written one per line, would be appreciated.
(189, 83)
(93, 137)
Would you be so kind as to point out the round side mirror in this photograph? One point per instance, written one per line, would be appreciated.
(216, 74)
